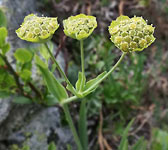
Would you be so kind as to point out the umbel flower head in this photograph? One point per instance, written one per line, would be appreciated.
(79, 27)
(37, 29)
(131, 34)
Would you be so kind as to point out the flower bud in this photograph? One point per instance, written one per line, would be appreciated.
(131, 34)
(37, 29)
(80, 27)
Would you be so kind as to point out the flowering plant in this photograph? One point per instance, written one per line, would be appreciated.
(128, 34)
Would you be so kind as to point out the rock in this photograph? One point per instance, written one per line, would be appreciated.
(44, 128)
(4, 108)
(31, 124)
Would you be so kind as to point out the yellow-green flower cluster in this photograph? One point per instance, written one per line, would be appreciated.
(131, 34)
(79, 27)
(37, 29)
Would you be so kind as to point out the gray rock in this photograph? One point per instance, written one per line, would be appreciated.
(31, 124)
(4, 108)
(43, 128)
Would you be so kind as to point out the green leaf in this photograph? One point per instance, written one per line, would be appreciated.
(3, 20)
(43, 50)
(26, 147)
(40, 62)
(22, 100)
(23, 55)
(93, 84)
(52, 146)
(2, 63)
(51, 100)
(4, 94)
(3, 35)
(25, 74)
(124, 142)
(71, 89)
(5, 48)
(69, 147)
(140, 145)
(80, 82)
(53, 85)
(82, 125)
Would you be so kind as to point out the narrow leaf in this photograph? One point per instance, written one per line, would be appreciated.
(22, 100)
(51, 100)
(124, 140)
(52, 146)
(80, 82)
(53, 85)
(3, 19)
(40, 62)
(3, 35)
(140, 145)
(93, 84)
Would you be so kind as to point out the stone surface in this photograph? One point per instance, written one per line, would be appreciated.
(32, 124)
(4, 108)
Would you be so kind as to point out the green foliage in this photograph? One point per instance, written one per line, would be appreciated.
(94, 83)
(43, 51)
(124, 144)
(52, 83)
(128, 83)
(124, 141)
(51, 100)
(24, 59)
(3, 20)
(80, 82)
(159, 140)
(22, 100)
(7, 82)
(23, 55)
(140, 145)
(3, 45)
(52, 146)
(16, 147)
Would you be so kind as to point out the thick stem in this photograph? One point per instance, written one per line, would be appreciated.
(70, 122)
(59, 68)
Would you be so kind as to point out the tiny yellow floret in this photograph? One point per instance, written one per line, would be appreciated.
(80, 26)
(131, 34)
(37, 29)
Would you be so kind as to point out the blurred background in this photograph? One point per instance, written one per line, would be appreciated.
(137, 89)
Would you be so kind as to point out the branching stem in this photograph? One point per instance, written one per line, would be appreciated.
(59, 68)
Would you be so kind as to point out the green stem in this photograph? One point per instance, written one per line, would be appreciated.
(111, 70)
(82, 57)
(82, 65)
(68, 100)
(59, 68)
(70, 122)
(83, 116)
(82, 125)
